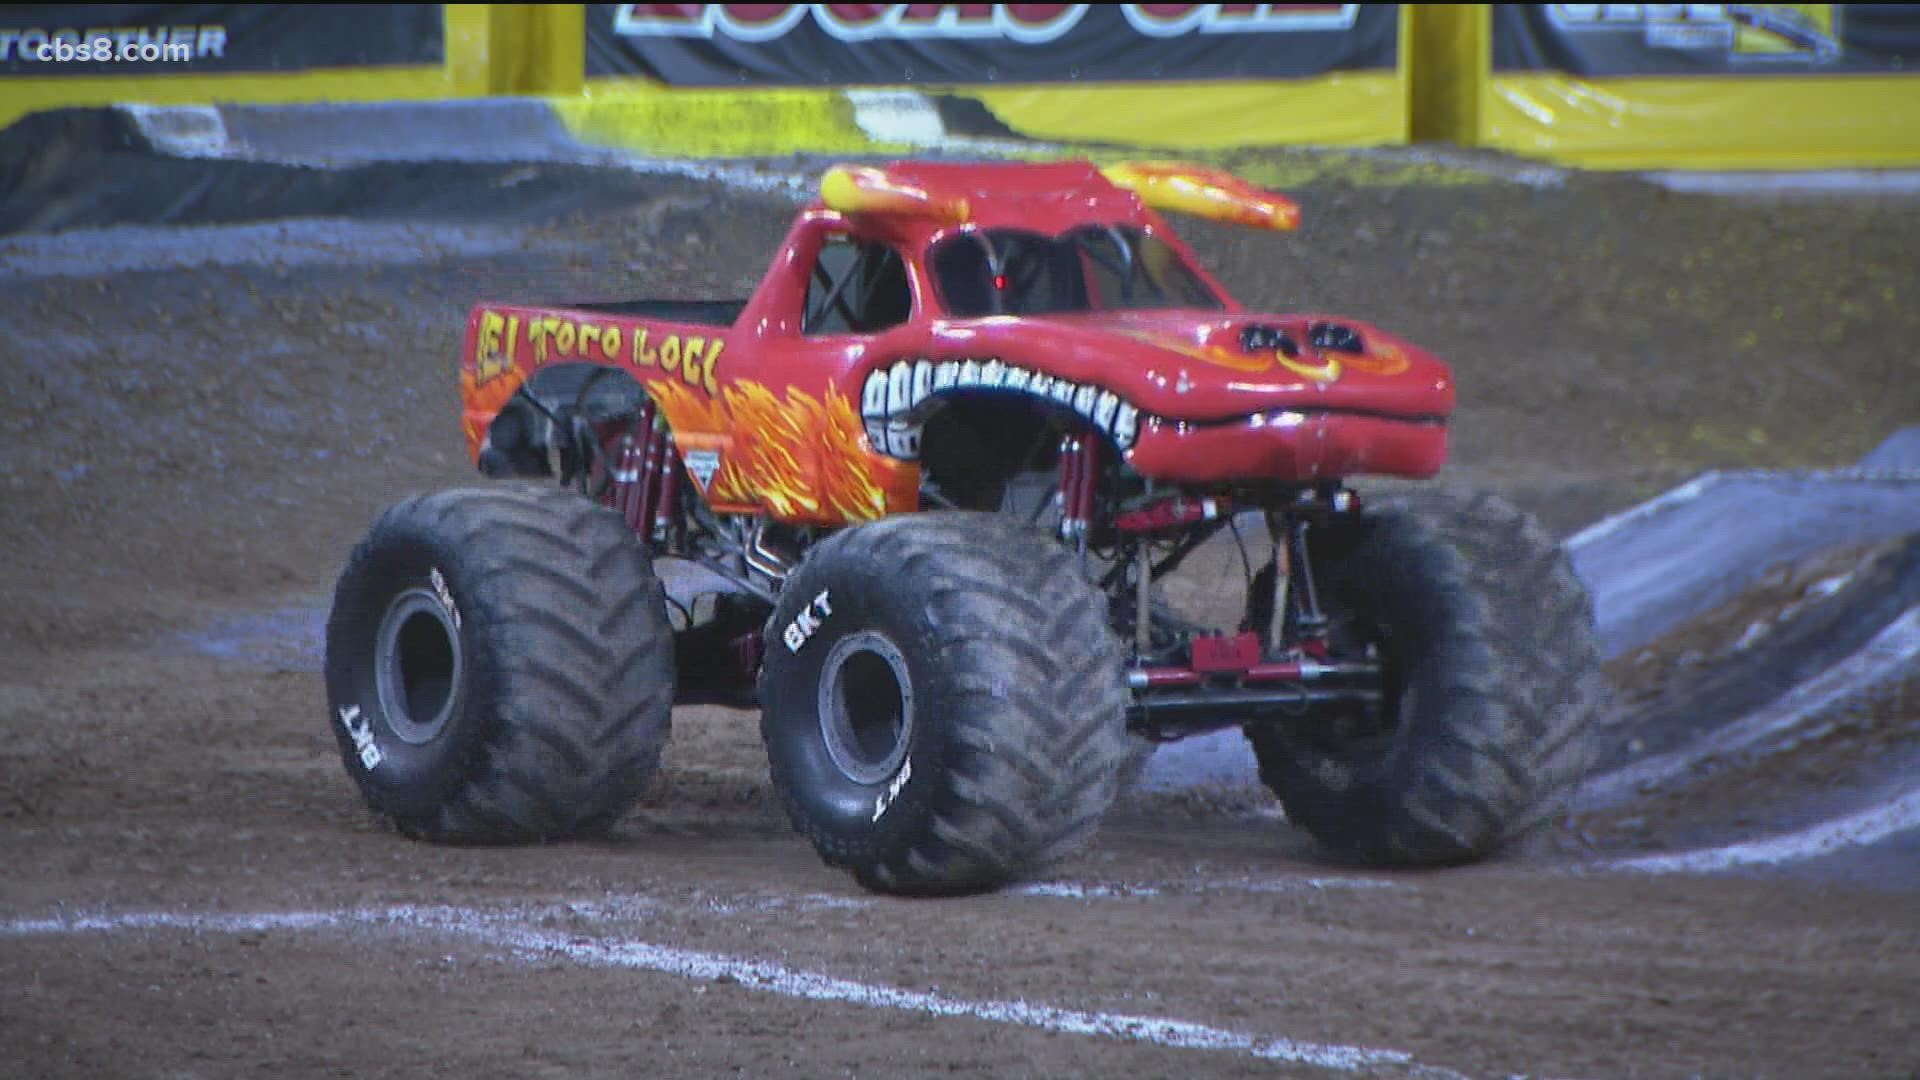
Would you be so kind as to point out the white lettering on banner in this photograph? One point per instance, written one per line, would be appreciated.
(1024, 24)
(1749, 32)
(1606, 16)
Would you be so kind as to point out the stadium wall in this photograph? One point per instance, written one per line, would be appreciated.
(1602, 86)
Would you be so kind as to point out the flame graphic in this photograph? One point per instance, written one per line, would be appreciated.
(859, 189)
(1381, 358)
(1209, 193)
(1211, 354)
(803, 458)
(481, 401)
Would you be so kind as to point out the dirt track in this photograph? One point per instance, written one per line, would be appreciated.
(185, 456)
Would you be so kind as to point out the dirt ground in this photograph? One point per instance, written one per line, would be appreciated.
(189, 888)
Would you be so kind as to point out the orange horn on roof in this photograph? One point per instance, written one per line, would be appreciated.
(862, 189)
(1203, 192)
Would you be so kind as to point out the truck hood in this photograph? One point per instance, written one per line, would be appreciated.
(1179, 365)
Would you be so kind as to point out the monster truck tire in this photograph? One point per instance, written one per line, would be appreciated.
(499, 666)
(1491, 661)
(943, 704)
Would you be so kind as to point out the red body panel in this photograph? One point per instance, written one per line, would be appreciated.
(799, 425)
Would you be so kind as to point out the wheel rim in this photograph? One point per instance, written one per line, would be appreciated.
(417, 665)
(866, 707)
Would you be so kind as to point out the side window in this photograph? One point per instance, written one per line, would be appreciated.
(856, 288)
(965, 274)
(1170, 276)
(1107, 263)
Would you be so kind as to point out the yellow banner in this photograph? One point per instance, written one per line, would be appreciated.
(1755, 86)
(1718, 122)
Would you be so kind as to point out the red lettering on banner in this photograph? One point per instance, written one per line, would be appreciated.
(852, 20)
(1024, 23)
(1174, 20)
(758, 15)
(1041, 16)
(746, 22)
(931, 15)
(659, 18)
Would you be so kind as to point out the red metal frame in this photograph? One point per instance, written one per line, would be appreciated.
(1280, 671)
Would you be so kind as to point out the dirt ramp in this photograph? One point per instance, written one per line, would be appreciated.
(1813, 625)
(94, 168)
(1702, 544)
(1899, 454)
(1780, 729)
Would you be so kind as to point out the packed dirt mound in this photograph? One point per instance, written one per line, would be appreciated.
(1797, 621)
(88, 168)
(1779, 709)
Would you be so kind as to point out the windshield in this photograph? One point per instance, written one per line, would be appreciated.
(1090, 268)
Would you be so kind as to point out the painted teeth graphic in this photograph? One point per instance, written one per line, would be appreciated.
(1103, 410)
(1083, 400)
(922, 380)
(903, 440)
(892, 400)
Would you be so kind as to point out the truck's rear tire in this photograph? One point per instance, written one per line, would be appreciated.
(1492, 684)
(943, 704)
(499, 666)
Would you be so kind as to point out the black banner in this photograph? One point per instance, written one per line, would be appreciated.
(201, 39)
(898, 44)
(1706, 39)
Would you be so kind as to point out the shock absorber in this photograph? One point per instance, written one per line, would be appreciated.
(1309, 621)
(1079, 483)
(644, 483)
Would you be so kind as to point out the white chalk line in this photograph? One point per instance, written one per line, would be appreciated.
(1868, 826)
(780, 979)
(525, 942)
(1082, 890)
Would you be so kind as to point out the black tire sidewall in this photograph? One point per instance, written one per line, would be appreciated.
(837, 810)
(410, 781)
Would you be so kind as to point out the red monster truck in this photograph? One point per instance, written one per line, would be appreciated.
(923, 496)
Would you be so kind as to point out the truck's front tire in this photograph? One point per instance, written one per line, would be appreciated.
(499, 666)
(1492, 686)
(943, 705)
